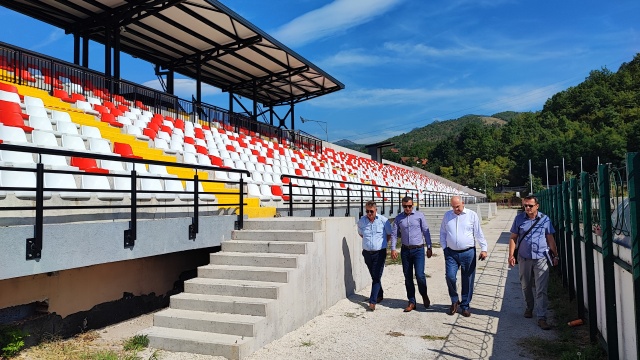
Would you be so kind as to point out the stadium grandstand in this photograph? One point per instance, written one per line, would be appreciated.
(115, 196)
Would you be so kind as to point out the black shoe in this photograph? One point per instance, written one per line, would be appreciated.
(426, 301)
(379, 299)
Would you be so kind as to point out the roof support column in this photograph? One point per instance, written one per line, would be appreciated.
(107, 58)
(197, 108)
(254, 113)
(271, 116)
(292, 113)
(76, 49)
(116, 55)
(170, 83)
(85, 51)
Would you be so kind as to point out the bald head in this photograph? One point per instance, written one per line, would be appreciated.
(457, 205)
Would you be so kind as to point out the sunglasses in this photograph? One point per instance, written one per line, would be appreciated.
(370, 211)
(529, 206)
(407, 206)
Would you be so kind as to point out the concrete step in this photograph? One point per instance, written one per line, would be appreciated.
(251, 273)
(225, 287)
(220, 304)
(197, 342)
(275, 247)
(284, 224)
(253, 259)
(280, 235)
(231, 324)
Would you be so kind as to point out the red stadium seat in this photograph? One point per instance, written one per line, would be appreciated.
(62, 95)
(140, 105)
(87, 165)
(150, 133)
(124, 150)
(8, 87)
(15, 120)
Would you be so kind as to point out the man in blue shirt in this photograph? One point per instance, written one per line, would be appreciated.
(532, 233)
(375, 231)
(459, 231)
(414, 231)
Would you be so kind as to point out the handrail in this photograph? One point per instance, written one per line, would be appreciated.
(414, 192)
(34, 245)
(18, 59)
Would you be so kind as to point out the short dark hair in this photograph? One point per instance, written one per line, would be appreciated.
(407, 199)
(371, 203)
(531, 197)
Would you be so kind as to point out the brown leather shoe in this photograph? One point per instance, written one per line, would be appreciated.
(454, 308)
(543, 324)
(410, 307)
(528, 314)
(372, 307)
(426, 301)
(466, 313)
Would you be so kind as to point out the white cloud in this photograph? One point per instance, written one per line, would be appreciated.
(353, 57)
(53, 36)
(330, 19)
(389, 97)
(184, 88)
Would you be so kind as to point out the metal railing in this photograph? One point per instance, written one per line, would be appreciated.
(24, 67)
(596, 218)
(39, 191)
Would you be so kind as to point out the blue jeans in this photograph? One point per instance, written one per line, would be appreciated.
(413, 259)
(466, 261)
(375, 263)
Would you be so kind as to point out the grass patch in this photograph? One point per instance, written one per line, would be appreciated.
(136, 343)
(572, 342)
(306, 343)
(83, 347)
(351, 315)
(395, 334)
(433, 337)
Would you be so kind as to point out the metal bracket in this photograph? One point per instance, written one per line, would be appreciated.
(236, 226)
(128, 240)
(34, 250)
(192, 232)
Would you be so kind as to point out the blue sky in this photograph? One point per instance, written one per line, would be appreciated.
(406, 63)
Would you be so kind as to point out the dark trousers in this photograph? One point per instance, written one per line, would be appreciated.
(413, 259)
(375, 263)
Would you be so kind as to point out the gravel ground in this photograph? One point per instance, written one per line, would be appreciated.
(348, 331)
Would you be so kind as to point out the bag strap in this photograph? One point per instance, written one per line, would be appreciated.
(527, 232)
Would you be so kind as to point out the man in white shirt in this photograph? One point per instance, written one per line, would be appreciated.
(459, 231)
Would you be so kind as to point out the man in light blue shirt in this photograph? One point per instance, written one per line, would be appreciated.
(459, 231)
(414, 230)
(375, 231)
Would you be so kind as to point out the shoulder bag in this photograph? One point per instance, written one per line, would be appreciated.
(515, 252)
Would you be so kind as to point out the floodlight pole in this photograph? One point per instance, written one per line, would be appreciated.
(326, 133)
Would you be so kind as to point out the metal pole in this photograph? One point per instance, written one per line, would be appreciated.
(530, 179)
(564, 171)
(546, 167)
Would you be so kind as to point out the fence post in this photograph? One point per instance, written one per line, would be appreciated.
(633, 181)
(557, 200)
(241, 210)
(568, 232)
(313, 199)
(588, 256)
(609, 279)
(577, 247)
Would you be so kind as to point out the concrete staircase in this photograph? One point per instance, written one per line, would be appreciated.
(249, 294)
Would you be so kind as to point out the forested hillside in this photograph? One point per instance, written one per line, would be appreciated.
(598, 118)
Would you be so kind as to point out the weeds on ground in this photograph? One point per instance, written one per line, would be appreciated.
(395, 334)
(306, 343)
(136, 343)
(11, 341)
(433, 337)
(572, 342)
(83, 347)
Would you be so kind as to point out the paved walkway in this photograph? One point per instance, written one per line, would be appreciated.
(348, 331)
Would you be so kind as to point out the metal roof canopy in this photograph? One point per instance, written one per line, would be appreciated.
(184, 35)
